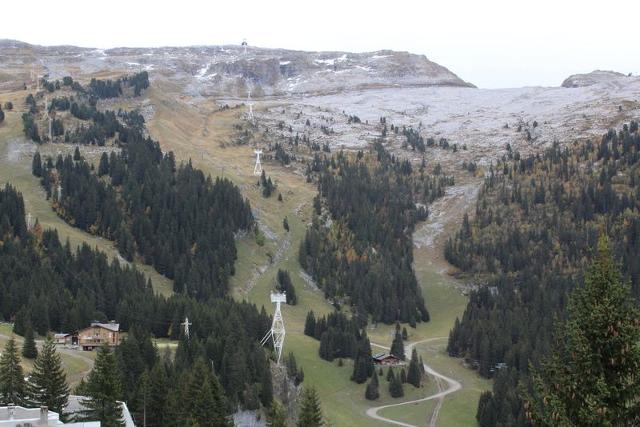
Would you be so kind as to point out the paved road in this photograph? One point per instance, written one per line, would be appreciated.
(452, 387)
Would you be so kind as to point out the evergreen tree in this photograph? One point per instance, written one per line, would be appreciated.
(48, 383)
(276, 416)
(414, 375)
(363, 364)
(486, 414)
(103, 167)
(12, 386)
(156, 405)
(29, 349)
(372, 392)
(310, 324)
(310, 414)
(403, 376)
(266, 386)
(297, 375)
(397, 346)
(36, 164)
(284, 284)
(395, 386)
(103, 390)
(591, 377)
(285, 224)
(360, 367)
(389, 373)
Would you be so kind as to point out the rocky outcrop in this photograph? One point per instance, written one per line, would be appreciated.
(592, 78)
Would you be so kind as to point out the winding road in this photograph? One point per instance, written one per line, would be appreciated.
(452, 387)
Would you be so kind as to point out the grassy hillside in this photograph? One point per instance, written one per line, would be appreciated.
(202, 133)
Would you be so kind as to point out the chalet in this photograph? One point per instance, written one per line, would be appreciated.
(385, 359)
(65, 339)
(98, 335)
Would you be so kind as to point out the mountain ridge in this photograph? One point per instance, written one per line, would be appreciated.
(232, 70)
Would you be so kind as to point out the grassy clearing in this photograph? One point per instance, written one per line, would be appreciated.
(76, 363)
(415, 413)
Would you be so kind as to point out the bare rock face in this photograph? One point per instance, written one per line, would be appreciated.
(234, 71)
(593, 78)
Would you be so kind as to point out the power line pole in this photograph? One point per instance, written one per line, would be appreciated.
(257, 169)
(186, 325)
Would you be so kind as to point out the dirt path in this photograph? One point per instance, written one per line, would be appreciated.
(452, 387)
(444, 216)
(76, 354)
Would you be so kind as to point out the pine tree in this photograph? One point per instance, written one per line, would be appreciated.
(48, 383)
(363, 364)
(397, 346)
(360, 367)
(29, 349)
(403, 376)
(310, 414)
(414, 375)
(266, 386)
(395, 386)
(372, 392)
(157, 403)
(310, 324)
(299, 377)
(12, 387)
(104, 389)
(36, 164)
(389, 373)
(284, 284)
(591, 377)
(103, 167)
(285, 224)
(276, 416)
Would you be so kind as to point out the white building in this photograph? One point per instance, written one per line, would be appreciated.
(17, 416)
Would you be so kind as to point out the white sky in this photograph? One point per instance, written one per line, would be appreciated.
(491, 43)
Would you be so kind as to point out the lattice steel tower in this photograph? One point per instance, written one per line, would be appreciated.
(277, 331)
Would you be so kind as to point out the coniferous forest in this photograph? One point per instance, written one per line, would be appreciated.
(171, 216)
(47, 284)
(359, 246)
(534, 233)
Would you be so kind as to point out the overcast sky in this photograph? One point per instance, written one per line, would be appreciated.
(491, 43)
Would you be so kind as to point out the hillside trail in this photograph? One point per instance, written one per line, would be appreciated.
(452, 386)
